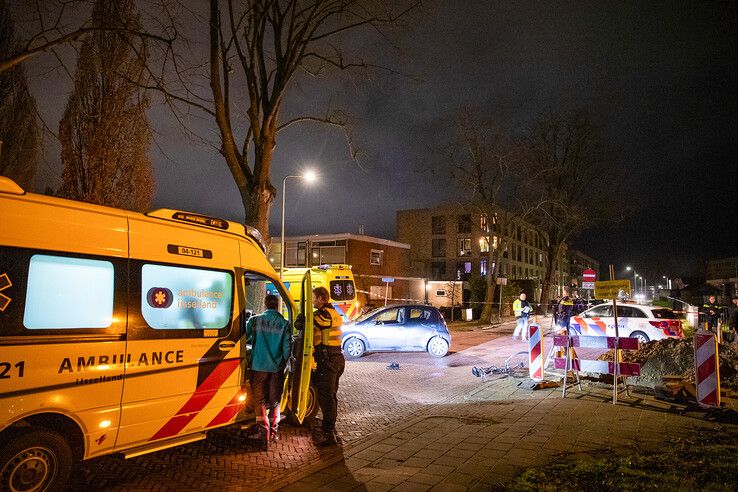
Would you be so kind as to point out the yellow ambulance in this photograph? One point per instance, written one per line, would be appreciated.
(337, 278)
(122, 332)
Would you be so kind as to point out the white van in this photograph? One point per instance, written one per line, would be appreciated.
(121, 332)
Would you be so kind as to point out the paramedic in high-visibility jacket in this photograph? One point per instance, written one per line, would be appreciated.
(329, 358)
(521, 309)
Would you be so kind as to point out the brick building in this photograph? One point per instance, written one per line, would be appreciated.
(371, 258)
(453, 243)
(578, 262)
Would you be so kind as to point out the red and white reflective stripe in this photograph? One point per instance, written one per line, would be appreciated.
(707, 370)
(624, 343)
(535, 352)
(599, 366)
(199, 399)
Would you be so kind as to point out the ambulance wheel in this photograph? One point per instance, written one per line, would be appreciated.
(437, 347)
(311, 410)
(642, 337)
(353, 348)
(35, 460)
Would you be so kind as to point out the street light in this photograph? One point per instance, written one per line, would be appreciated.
(635, 282)
(309, 177)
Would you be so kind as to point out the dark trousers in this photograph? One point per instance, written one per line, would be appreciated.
(266, 391)
(330, 367)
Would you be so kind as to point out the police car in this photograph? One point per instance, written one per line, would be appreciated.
(639, 321)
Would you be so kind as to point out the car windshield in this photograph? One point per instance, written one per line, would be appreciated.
(368, 315)
(663, 313)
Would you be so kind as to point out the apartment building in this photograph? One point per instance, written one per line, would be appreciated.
(453, 243)
(723, 274)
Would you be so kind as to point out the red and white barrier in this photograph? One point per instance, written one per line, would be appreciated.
(707, 370)
(572, 363)
(535, 352)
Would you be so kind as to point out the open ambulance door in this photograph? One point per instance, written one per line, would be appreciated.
(303, 398)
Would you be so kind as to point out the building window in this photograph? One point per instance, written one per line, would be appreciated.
(463, 224)
(483, 224)
(483, 267)
(484, 245)
(494, 242)
(438, 224)
(439, 248)
(464, 246)
(375, 257)
(441, 293)
(463, 270)
(438, 270)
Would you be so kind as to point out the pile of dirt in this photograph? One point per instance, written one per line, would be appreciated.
(675, 357)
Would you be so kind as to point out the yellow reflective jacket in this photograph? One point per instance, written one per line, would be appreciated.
(327, 327)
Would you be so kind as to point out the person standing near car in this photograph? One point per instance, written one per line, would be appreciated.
(564, 310)
(329, 358)
(711, 314)
(521, 309)
(269, 335)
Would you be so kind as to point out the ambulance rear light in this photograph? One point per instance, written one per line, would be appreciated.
(254, 234)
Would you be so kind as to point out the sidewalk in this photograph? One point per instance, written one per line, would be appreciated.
(482, 439)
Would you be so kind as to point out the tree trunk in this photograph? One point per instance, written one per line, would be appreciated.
(489, 296)
(552, 255)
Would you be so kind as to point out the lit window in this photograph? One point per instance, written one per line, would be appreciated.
(483, 225)
(68, 293)
(484, 245)
(483, 267)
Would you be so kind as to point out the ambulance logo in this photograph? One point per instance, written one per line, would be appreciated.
(159, 297)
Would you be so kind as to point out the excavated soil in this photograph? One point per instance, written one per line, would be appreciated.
(675, 357)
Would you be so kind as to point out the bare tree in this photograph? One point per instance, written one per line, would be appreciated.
(569, 167)
(54, 23)
(257, 48)
(481, 157)
(104, 132)
(20, 134)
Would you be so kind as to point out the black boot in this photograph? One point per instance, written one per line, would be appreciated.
(329, 439)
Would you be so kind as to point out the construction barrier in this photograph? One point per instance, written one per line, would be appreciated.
(535, 352)
(707, 370)
(575, 364)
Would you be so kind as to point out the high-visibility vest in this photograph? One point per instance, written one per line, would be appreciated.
(327, 323)
(517, 308)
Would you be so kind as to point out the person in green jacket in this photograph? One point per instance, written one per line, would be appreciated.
(269, 335)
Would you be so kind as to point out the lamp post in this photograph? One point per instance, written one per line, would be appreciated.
(308, 176)
(635, 281)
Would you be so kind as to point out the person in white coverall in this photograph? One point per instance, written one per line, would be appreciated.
(521, 309)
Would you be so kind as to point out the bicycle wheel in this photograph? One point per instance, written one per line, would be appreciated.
(517, 364)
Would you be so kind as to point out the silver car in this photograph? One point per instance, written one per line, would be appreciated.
(400, 328)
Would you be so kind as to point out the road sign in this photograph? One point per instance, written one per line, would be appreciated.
(588, 285)
(501, 280)
(612, 289)
(589, 275)
(388, 279)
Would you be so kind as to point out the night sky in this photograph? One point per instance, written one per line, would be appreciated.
(661, 81)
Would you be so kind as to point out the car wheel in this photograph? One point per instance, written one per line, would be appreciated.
(642, 337)
(353, 348)
(311, 411)
(437, 347)
(35, 460)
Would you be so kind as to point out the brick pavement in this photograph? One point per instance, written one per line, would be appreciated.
(482, 439)
(229, 461)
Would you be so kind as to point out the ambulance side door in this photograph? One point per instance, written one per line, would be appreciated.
(183, 353)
